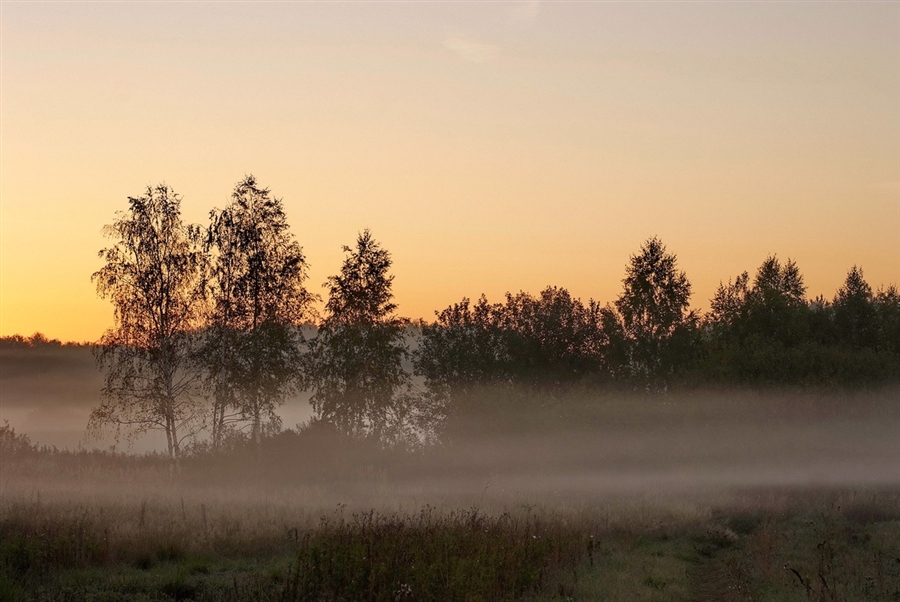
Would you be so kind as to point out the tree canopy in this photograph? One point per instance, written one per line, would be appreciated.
(652, 320)
(356, 371)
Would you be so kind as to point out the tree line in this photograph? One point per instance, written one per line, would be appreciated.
(215, 327)
(38, 340)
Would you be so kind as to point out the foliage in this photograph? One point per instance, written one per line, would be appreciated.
(887, 304)
(13, 444)
(231, 303)
(769, 333)
(152, 276)
(651, 321)
(761, 332)
(553, 338)
(855, 313)
(356, 361)
(547, 340)
(775, 305)
(465, 347)
(257, 302)
(36, 341)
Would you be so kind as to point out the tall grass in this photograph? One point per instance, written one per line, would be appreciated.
(427, 555)
(814, 546)
(460, 555)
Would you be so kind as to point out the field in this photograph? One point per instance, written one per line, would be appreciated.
(753, 497)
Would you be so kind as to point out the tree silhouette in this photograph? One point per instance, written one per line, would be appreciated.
(773, 308)
(465, 347)
(761, 331)
(152, 276)
(356, 362)
(887, 304)
(553, 339)
(728, 306)
(548, 340)
(855, 311)
(258, 302)
(651, 321)
(776, 305)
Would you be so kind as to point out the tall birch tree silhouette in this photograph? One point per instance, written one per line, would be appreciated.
(151, 275)
(257, 304)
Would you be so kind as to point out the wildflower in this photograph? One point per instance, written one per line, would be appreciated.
(404, 592)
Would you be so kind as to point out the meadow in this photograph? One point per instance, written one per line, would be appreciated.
(683, 497)
(759, 545)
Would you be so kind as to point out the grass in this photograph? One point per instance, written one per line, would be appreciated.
(825, 546)
(55, 552)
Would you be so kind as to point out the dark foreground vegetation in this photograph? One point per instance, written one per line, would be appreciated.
(764, 545)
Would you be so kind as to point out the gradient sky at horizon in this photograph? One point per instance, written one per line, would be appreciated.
(490, 146)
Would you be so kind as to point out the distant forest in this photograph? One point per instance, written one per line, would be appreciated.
(214, 328)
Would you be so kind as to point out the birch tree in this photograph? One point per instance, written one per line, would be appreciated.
(151, 275)
(257, 304)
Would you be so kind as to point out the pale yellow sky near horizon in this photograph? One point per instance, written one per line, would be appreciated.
(490, 146)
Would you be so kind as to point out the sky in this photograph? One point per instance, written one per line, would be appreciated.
(489, 146)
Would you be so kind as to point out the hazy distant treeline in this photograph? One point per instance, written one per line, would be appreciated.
(39, 373)
(214, 328)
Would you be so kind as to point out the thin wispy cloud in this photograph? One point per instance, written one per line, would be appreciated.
(469, 49)
(526, 13)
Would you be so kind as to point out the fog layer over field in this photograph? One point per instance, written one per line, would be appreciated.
(697, 441)
(48, 392)
(530, 446)
(530, 494)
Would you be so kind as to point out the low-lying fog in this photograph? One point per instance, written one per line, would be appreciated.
(62, 425)
(689, 442)
(549, 445)
(48, 393)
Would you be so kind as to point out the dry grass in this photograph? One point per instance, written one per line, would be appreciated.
(821, 546)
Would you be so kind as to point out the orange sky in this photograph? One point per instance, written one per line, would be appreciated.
(491, 147)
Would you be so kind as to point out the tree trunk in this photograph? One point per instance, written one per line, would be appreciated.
(220, 399)
(171, 422)
(170, 439)
(218, 425)
(257, 425)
